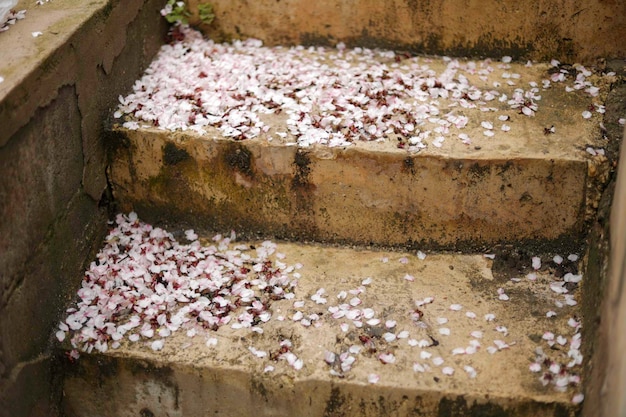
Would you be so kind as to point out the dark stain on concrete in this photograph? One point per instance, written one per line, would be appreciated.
(303, 223)
(260, 388)
(382, 406)
(334, 405)
(432, 43)
(478, 171)
(459, 408)
(238, 157)
(145, 412)
(302, 162)
(503, 168)
(408, 165)
(526, 197)
(173, 155)
(315, 39)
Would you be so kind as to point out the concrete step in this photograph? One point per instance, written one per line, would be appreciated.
(199, 327)
(362, 146)
(455, 27)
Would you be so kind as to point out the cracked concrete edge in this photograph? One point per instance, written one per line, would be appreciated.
(77, 45)
(76, 49)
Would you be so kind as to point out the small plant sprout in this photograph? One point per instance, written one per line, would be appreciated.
(176, 12)
(206, 14)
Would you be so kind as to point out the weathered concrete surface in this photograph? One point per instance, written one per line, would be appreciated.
(614, 308)
(57, 90)
(189, 378)
(522, 185)
(570, 30)
(607, 296)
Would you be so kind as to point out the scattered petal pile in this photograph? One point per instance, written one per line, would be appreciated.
(12, 18)
(145, 285)
(333, 97)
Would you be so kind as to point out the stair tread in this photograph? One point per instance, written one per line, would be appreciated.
(458, 284)
(275, 84)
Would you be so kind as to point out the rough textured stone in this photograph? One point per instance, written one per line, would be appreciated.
(570, 30)
(33, 391)
(41, 173)
(606, 305)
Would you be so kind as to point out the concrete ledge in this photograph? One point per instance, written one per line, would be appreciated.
(353, 195)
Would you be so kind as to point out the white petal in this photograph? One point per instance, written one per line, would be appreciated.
(447, 370)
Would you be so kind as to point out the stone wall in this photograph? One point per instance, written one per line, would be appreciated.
(614, 309)
(605, 309)
(58, 91)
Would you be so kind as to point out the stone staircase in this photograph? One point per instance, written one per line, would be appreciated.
(426, 261)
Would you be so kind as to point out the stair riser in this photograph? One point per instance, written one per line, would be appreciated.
(349, 195)
(571, 30)
(138, 388)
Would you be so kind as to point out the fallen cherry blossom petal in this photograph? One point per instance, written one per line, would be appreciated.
(471, 372)
(417, 367)
(373, 378)
(157, 344)
(536, 262)
(387, 358)
(447, 370)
